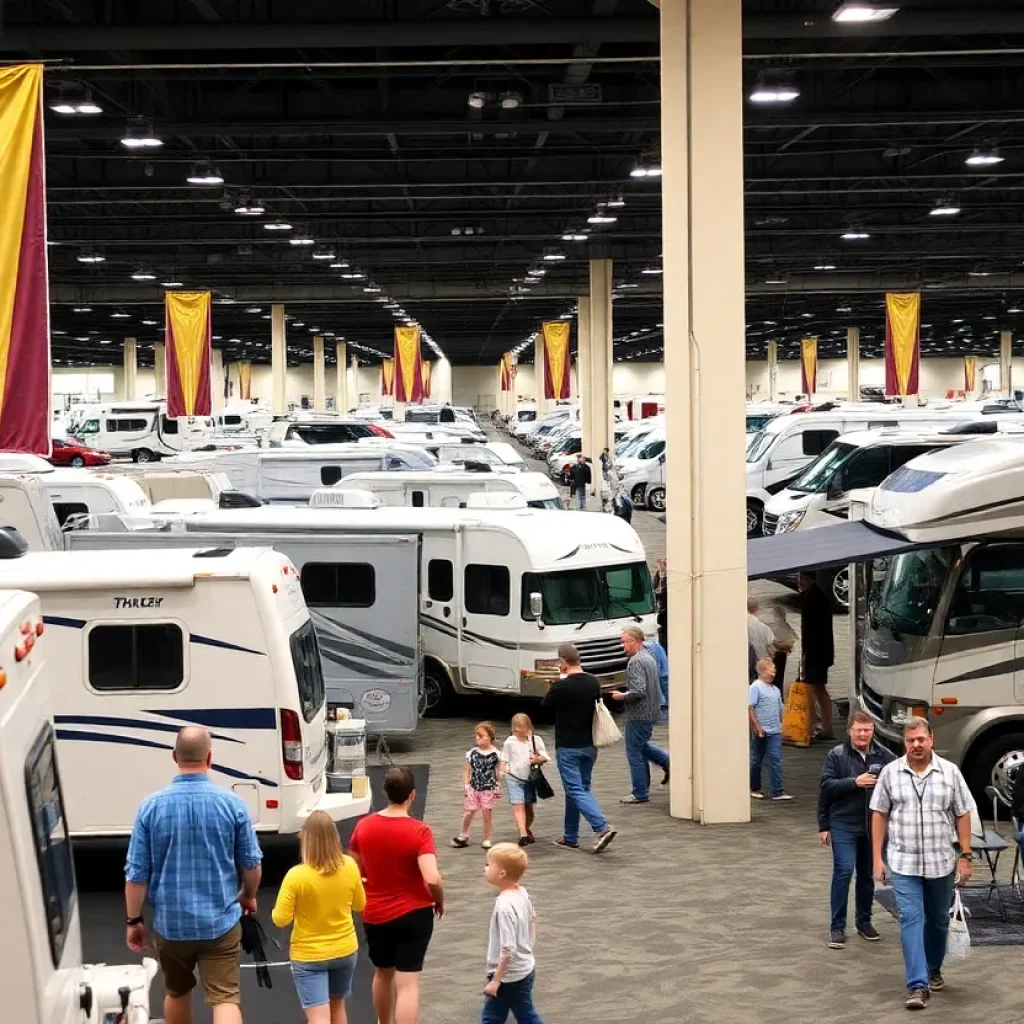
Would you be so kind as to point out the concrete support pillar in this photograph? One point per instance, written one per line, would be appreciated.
(353, 383)
(596, 389)
(773, 371)
(216, 379)
(702, 231)
(278, 358)
(441, 382)
(538, 366)
(1006, 362)
(853, 363)
(131, 369)
(319, 375)
(583, 355)
(160, 370)
(341, 402)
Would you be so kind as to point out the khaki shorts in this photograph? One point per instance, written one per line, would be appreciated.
(217, 960)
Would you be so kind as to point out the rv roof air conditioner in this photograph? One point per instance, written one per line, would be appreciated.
(476, 467)
(12, 544)
(328, 497)
(237, 499)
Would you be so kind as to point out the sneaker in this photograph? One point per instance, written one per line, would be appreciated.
(486, 844)
(633, 800)
(530, 836)
(604, 839)
(757, 795)
(936, 982)
(837, 939)
(917, 998)
(782, 796)
(563, 844)
(524, 840)
(869, 932)
(460, 842)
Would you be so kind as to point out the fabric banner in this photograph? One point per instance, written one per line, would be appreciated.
(387, 377)
(24, 290)
(189, 341)
(408, 365)
(809, 365)
(970, 374)
(902, 342)
(245, 380)
(428, 369)
(507, 371)
(556, 359)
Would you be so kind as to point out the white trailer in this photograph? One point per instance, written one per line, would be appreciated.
(142, 430)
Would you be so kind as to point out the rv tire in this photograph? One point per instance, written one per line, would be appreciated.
(991, 765)
(438, 693)
(638, 495)
(754, 514)
(656, 499)
(144, 455)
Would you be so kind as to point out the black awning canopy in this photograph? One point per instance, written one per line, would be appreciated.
(786, 553)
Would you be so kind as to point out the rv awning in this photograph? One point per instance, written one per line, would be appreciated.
(785, 553)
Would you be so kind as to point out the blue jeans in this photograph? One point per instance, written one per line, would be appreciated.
(851, 852)
(640, 752)
(320, 982)
(581, 499)
(924, 923)
(663, 680)
(576, 768)
(515, 997)
(768, 746)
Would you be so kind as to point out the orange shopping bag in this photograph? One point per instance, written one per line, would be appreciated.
(798, 716)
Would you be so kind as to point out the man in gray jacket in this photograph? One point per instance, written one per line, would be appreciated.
(642, 700)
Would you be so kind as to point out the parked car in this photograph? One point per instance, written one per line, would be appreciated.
(68, 452)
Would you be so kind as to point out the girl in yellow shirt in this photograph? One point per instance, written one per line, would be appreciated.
(318, 897)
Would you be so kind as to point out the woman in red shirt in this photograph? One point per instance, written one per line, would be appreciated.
(398, 861)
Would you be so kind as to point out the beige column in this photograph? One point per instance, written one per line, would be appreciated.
(160, 370)
(853, 363)
(596, 398)
(319, 375)
(441, 382)
(538, 367)
(773, 371)
(278, 358)
(702, 231)
(131, 369)
(353, 382)
(1006, 362)
(341, 377)
(582, 369)
(216, 379)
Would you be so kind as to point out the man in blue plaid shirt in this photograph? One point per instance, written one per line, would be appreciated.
(194, 850)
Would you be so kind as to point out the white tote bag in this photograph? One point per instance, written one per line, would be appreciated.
(958, 945)
(606, 732)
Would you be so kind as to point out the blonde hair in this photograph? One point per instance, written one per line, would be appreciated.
(510, 858)
(487, 728)
(320, 844)
(522, 721)
(635, 632)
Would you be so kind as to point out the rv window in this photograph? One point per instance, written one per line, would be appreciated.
(232, 421)
(990, 592)
(168, 425)
(142, 657)
(113, 426)
(868, 468)
(904, 453)
(309, 674)
(440, 580)
(487, 589)
(339, 584)
(816, 441)
(50, 838)
(417, 499)
(89, 427)
(65, 509)
(330, 475)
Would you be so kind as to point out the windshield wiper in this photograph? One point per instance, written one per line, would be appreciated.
(591, 616)
(622, 604)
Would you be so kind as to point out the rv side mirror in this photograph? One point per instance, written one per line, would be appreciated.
(536, 605)
(661, 458)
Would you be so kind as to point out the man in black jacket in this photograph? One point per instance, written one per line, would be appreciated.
(844, 820)
(579, 481)
(817, 645)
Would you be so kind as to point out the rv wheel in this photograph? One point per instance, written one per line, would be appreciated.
(840, 591)
(996, 764)
(438, 694)
(656, 499)
(637, 497)
(753, 519)
(144, 455)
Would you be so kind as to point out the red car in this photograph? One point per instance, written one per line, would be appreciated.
(68, 452)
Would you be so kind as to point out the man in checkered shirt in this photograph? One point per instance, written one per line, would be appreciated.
(922, 806)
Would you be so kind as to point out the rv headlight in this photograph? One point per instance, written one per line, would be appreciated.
(900, 711)
(546, 665)
(789, 521)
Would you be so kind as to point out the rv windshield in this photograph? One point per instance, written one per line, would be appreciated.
(912, 588)
(308, 672)
(759, 445)
(819, 474)
(89, 427)
(545, 503)
(584, 595)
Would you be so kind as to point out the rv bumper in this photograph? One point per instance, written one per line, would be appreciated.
(536, 684)
(340, 806)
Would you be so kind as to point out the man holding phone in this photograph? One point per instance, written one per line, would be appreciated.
(848, 776)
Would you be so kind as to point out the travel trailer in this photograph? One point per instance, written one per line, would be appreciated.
(498, 589)
(143, 430)
(357, 589)
(166, 483)
(450, 486)
(40, 919)
(138, 648)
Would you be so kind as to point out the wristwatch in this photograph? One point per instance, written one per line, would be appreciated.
(132, 921)
(967, 855)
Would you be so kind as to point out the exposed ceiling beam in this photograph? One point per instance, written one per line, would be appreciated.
(963, 21)
(885, 281)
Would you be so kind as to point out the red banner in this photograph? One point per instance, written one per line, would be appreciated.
(507, 372)
(902, 343)
(189, 343)
(24, 291)
(408, 365)
(809, 365)
(556, 359)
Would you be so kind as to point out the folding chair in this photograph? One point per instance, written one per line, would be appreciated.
(999, 800)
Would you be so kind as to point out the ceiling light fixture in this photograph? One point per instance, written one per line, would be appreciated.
(601, 218)
(354, 276)
(825, 266)
(578, 236)
(944, 208)
(254, 309)
(477, 100)
(204, 174)
(302, 238)
(984, 158)
(120, 315)
(150, 323)
(277, 225)
(646, 171)
(325, 252)
(340, 265)
(859, 12)
(250, 207)
(371, 289)
(554, 257)
(139, 134)
(854, 235)
(90, 256)
(172, 284)
(143, 275)
(510, 100)
(83, 104)
(82, 309)
(651, 271)
(774, 87)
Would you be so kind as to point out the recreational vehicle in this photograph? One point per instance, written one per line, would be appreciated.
(136, 649)
(308, 430)
(169, 483)
(246, 418)
(143, 430)
(498, 589)
(45, 981)
(498, 454)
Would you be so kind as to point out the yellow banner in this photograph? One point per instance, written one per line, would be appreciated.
(428, 368)
(387, 377)
(409, 385)
(809, 364)
(970, 374)
(188, 320)
(556, 352)
(245, 380)
(903, 321)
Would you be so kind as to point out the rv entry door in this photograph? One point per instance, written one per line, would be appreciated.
(489, 648)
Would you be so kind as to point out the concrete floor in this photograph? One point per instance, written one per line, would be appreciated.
(673, 923)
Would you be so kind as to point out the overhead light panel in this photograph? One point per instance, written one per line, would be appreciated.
(773, 87)
(825, 266)
(204, 174)
(601, 218)
(120, 315)
(172, 284)
(254, 309)
(651, 271)
(645, 170)
(324, 252)
(143, 275)
(82, 309)
(578, 236)
(854, 235)
(340, 265)
(277, 225)
(150, 323)
(139, 134)
(249, 207)
(71, 102)
(510, 100)
(553, 257)
(90, 256)
(477, 100)
(372, 289)
(301, 238)
(354, 276)
(984, 158)
(859, 12)
(945, 208)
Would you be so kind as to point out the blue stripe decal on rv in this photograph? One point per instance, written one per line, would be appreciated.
(224, 718)
(195, 638)
(132, 741)
(131, 723)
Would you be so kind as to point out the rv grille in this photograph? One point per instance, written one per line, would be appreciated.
(874, 703)
(769, 525)
(602, 656)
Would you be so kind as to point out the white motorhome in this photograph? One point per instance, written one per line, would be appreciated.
(169, 483)
(25, 506)
(45, 981)
(498, 590)
(139, 648)
(498, 454)
(449, 487)
(244, 418)
(142, 430)
(641, 469)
